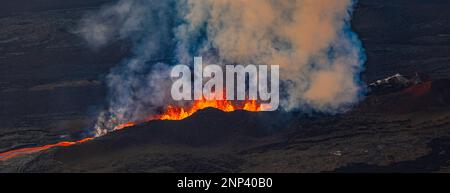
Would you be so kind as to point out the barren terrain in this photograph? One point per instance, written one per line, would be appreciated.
(52, 86)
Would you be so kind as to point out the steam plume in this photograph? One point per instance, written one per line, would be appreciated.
(320, 57)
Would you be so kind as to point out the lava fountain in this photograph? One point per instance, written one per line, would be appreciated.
(172, 112)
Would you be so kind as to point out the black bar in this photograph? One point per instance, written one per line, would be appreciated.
(280, 182)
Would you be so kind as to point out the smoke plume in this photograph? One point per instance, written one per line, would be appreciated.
(320, 57)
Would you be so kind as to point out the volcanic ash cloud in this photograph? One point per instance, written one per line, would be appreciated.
(311, 40)
(320, 57)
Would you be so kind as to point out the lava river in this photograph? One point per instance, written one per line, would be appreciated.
(171, 113)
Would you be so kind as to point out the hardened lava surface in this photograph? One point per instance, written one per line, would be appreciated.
(51, 87)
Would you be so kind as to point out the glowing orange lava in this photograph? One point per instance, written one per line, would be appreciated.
(180, 113)
(17, 152)
(175, 113)
(171, 113)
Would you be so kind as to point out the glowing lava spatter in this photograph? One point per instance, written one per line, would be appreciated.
(180, 113)
(171, 113)
(175, 113)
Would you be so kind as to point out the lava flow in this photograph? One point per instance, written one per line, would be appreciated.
(171, 113)
(16, 152)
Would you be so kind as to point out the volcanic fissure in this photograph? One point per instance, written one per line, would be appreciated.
(174, 113)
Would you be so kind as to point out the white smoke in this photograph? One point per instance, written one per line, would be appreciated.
(320, 57)
(310, 39)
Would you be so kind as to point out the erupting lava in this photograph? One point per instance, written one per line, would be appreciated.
(175, 113)
(171, 113)
(180, 113)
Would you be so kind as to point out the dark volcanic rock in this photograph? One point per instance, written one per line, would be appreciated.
(50, 85)
(439, 157)
(207, 128)
(427, 95)
(404, 36)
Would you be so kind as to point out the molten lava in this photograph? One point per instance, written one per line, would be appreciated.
(17, 152)
(180, 113)
(171, 113)
(175, 113)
